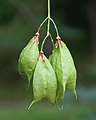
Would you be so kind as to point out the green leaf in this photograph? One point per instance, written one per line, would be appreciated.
(28, 58)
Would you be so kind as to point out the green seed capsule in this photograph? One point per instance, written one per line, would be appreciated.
(64, 67)
(44, 81)
(28, 57)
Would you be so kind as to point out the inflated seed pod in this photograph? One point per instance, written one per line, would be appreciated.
(44, 81)
(64, 67)
(28, 57)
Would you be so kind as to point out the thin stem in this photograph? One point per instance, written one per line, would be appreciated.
(51, 39)
(55, 27)
(49, 8)
(42, 24)
(44, 42)
(48, 26)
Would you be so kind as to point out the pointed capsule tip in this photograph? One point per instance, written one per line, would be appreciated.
(31, 105)
(75, 94)
(28, 85)
(60, 107)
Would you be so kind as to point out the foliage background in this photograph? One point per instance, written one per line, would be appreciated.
(19, 20)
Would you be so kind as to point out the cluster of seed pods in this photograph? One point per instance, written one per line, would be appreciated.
(50, 76)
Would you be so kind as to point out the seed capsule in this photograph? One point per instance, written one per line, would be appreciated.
(44, 81)
(28, 57)
(64, 67)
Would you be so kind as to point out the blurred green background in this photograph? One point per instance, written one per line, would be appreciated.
(19, 20)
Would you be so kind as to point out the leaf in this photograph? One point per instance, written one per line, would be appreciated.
(28, 58)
